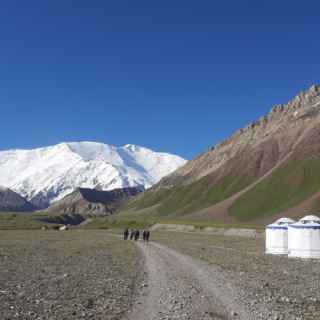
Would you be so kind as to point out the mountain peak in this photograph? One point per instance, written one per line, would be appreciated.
(48, 174)
(314, 90)
(132, 147)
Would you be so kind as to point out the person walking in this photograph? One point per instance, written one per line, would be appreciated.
(132, 232)
(137, 235)
(147, 236)
(125, 234)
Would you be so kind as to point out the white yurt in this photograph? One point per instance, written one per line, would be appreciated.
(304, 238)
(277, 236)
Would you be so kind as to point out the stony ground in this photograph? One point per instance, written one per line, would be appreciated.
(270, 287)
(66, 275)
(87, 274)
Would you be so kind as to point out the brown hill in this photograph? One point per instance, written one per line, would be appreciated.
(93, 202)
(11, 201)
(263, 170)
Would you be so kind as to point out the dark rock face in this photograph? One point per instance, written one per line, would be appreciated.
(94, 202)
(11, 201)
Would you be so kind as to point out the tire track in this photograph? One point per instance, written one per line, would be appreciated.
(179, 287)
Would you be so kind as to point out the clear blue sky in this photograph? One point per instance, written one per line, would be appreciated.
(175, 76)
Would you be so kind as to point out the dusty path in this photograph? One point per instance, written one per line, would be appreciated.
(179, 287)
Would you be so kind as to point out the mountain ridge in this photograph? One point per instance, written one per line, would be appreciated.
(289, 133)
(290, 109)
(91, 202)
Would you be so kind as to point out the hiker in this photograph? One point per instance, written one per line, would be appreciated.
(132, 232)
(125, 234)
(147, 236)
(137, 235)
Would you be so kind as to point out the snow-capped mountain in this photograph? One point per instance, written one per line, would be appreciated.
(46, 175)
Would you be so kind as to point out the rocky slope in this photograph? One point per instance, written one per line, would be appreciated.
(93, 202)
(46, 175)
(268, 167)
(12, 201)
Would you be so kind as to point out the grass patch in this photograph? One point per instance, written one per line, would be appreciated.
(120, 222)
(202, 193)
(12, 220)
(185, 199)
(117, 223)
(286, 187)
(149, 198)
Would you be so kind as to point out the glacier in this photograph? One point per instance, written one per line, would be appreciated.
(46, 175)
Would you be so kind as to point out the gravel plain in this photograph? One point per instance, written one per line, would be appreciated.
(88, 274)
(66, 275)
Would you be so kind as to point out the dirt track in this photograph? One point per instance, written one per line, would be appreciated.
(180, 287)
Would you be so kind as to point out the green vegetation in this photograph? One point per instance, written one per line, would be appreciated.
(288, 186)
(115, 223)
(188, 198)
(137, 222)
(202, 194)
(11, 220)
(14, 221)
(150, 198)
(316, 205)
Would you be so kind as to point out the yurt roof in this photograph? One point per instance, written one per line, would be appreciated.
(281, 223)
(307, 222)
(285, 221)
(310, 219)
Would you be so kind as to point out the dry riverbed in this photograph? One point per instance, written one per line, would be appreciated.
(66, 275)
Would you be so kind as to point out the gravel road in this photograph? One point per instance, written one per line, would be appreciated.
(180, 287)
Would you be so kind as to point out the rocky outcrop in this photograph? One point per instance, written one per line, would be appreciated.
(91, 202)
(11, 201)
